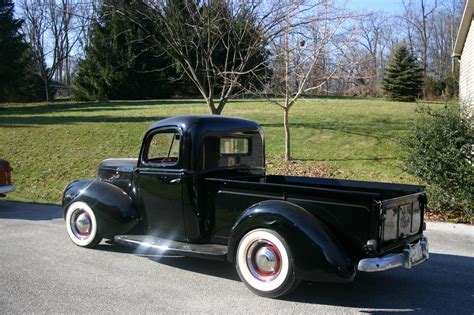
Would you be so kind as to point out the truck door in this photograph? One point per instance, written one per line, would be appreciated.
(159, 186)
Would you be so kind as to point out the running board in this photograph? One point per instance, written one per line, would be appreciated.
(147, 243)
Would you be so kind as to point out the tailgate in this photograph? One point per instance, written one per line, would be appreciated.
(402, 218)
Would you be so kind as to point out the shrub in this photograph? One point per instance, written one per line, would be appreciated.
(451, 89)
(446, 88)
(439, 151)
(433, 89)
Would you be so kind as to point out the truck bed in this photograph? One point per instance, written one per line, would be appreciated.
(356, 211)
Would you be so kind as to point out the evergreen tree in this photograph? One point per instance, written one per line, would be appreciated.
(17, 81)
(12, 48)
(403, 79)
(30, 87)
(121, 63)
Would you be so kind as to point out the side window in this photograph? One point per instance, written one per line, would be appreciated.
(164, 148)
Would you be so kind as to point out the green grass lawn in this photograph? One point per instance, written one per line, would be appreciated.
(50, 145)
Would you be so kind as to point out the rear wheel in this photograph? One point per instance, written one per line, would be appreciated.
(265, 264)
(81, 225)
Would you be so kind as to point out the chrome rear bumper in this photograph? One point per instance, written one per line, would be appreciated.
(413, 254)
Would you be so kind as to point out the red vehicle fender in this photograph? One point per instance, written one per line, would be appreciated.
(5, 173)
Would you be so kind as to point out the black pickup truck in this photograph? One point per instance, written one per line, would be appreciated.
(199, 188)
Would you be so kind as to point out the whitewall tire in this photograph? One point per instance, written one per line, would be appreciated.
(81, 225)
(265, 264)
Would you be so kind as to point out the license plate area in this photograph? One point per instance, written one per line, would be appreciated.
(416, 253)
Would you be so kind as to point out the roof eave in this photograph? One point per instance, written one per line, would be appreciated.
(463, 29)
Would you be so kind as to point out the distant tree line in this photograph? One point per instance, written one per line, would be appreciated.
(135, 49)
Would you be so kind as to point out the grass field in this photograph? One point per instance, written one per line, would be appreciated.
(49, 145)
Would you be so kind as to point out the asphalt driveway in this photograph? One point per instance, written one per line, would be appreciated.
(42, 271)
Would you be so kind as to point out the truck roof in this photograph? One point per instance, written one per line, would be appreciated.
(208, 123)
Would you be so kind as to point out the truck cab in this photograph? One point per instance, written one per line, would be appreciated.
(199, 188)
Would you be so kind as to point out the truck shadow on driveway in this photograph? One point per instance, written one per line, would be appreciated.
(203, 266)
(208, 267)
(443, 284)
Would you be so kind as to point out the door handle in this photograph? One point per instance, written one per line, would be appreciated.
(175, 181)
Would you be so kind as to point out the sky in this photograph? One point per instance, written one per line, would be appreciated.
(390, 6)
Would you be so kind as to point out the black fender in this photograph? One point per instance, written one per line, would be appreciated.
(114, 208)
(317, 254)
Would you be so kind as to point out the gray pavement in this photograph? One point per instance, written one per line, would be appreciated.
(42, 271)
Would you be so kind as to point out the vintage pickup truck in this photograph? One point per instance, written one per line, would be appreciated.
(199, 188)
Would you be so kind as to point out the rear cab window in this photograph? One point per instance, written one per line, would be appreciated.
(234, 146)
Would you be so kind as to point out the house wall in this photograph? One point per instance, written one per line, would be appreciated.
(466, 75)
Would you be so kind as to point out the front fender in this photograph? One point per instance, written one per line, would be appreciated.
(114, 209)
(317, 254)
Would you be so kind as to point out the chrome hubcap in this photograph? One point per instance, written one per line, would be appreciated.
(264, 260)
(81, 224)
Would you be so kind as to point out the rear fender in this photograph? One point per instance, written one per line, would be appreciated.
(114, 209)
(317, 254)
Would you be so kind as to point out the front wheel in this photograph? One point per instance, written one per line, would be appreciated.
(81, 225)
(265, 264)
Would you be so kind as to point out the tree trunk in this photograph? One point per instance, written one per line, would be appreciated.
(218, 111)
(287, 134)
(212, 107)
(46, 88)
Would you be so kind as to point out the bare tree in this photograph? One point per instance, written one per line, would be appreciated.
(443, 26)
(364, 56)
(301, 53)
(417, 19)
(372, 40)
(52, 32)
(86, 14)
(219, 45)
